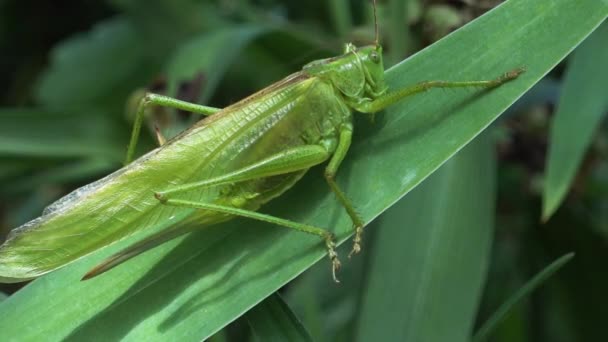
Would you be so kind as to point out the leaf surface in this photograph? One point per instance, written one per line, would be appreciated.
(582, 105)
(191, 287)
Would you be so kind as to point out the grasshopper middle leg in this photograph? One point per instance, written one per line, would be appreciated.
(344, 141)
(164, 101)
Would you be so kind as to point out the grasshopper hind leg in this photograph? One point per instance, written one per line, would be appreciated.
(324, 234)
(290, 160)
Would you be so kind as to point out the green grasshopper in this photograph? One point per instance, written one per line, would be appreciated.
(227, 165)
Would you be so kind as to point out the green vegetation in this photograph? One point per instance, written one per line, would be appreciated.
(451, 246)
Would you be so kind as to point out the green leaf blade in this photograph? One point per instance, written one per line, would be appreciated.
(582, 105)
(486, 329)
(200, 55)
(190, 288)
(92, 65)
(273, 320)
(430, 256)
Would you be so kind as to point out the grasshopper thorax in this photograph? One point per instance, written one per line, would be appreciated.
(358, 74)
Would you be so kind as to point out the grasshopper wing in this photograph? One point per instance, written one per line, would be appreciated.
(123, 203)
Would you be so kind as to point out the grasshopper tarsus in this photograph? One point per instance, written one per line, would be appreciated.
(356, 241)
(510, 75)
(333, 256)
(516, 72)
(335, 267)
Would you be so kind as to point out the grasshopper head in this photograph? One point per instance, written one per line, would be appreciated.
(370, 58)
(357, 74)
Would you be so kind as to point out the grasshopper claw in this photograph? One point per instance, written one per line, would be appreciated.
(333, 256)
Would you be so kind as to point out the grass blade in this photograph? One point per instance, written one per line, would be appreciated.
(425, 281)
(189, 288)
(273, 320)
(582, 105)
(37, 133)
(199, 55)
(341, 17)
(486, 329)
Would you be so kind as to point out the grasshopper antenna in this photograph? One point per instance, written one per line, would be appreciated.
(376, 25)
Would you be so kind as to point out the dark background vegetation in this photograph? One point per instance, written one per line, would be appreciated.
(68, 71)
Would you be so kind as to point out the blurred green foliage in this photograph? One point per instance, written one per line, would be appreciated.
(72, 70)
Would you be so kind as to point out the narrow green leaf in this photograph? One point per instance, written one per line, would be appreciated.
(582, 105)
(486, 329)
(273, 320)
(425, 280)
(209, 55)
(401, 40)
(220, 336)
(189, 288)
(342, 17)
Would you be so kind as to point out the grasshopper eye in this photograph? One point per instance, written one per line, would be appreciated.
(374, 57)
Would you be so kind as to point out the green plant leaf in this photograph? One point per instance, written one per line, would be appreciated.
(273, 320)
(208, 54)
(43, 134)
(582, 105)
(486, 329)
(3, 296)
(189, 288)
(92, 65)
(80, 170)
(425, 280)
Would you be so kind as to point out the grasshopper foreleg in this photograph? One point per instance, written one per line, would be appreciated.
(392, 97)
(290, 160)
(344, 141)
(164, 101)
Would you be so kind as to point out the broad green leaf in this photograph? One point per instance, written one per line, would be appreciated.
(273, 320)
(92, 65)
(583, 103)
(425, 280)
(486, 329)
(191, 287)
(3, 296)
